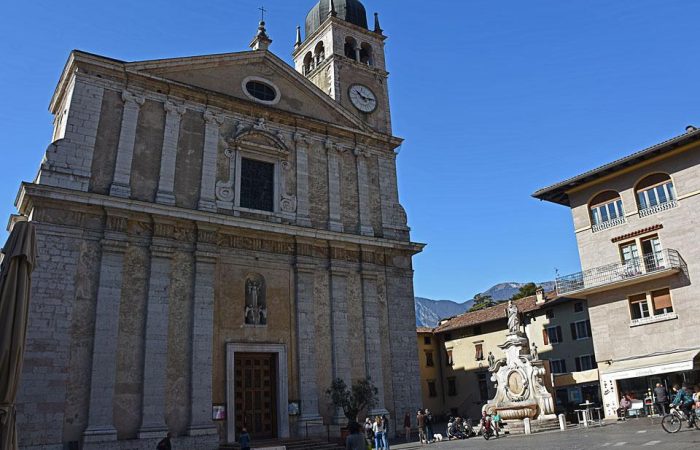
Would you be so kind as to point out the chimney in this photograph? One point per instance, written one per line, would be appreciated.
(540, 296)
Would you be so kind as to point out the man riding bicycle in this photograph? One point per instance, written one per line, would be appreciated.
(684, 400)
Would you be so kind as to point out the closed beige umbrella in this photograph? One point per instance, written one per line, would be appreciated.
(15, 282)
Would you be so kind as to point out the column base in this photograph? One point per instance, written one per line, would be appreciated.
(366, 230)
(165, 198)
(152, 432)
(120, 190)
(303, 221)
(207, 205)
(381, 411)
(311, 426)
(100, 434)
(202, 430)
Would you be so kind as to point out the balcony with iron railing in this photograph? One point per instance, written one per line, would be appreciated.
(610, 276)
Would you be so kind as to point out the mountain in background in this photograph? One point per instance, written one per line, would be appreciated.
(430, 312)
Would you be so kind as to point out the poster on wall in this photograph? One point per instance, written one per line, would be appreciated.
(218, 411)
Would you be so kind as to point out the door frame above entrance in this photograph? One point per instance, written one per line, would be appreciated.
(282, 385)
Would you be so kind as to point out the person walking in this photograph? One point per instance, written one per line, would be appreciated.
(407, 425)
(378, 429)
(420, 422)
(244, 439)
(369, 432)
(385, 422)
(355, 441)
(165, 444)
(661, 395)
(429, 425)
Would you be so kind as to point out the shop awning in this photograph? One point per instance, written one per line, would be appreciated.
(650, 365)
(573, 378)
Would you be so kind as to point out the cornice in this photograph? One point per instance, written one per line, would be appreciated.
(30, 192)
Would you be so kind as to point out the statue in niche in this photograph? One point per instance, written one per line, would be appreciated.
(255, 302)
(533, 352)
(513, 319)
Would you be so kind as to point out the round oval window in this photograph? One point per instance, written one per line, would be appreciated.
(261, 91)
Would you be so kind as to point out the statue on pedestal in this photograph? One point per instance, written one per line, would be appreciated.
(513, 317)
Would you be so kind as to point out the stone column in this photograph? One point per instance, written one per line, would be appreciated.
(156, 336)
(373, 344)
(334, 219)
(363, 192)
(121, 185)
(302, 145)
(100, 426)
(173, 115)
(207, 192)
(339, 329)
(306, 340)
(357, 53)
(202, 335)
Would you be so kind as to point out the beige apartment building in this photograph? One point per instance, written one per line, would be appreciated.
(636, 223)
(454, 355)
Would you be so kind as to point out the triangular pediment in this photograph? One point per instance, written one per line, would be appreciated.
(226, 73)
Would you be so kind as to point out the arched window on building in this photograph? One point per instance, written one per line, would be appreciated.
(308, 63)
(366, 56)
(606, 210)
(655, 193)
(319, 53)
(351, 48)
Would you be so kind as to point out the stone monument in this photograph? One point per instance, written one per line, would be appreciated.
(520, 391)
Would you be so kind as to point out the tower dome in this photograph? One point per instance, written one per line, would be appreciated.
(348, 10)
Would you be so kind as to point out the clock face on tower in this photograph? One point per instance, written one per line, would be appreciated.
(363, 98)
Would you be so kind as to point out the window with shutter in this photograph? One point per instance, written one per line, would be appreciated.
(574, 336)
(578, 364)
(429, 359)
(479, 352)
(559, 334)
(662, 301)
(545, 336)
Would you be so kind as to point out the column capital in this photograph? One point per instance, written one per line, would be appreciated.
(213, 118)
(110, 244)
(301, 138)
(132, 98)
(360, 152)
(174, 108)
(369, 275)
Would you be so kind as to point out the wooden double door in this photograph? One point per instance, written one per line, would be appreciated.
(255, 390)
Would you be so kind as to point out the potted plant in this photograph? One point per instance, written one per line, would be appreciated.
(353, 400)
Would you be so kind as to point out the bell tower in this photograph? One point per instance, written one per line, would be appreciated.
(345, 59)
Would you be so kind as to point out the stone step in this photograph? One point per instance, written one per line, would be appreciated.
(288, 444)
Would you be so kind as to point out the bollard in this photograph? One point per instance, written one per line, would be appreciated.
(526, 425)
(562, 422)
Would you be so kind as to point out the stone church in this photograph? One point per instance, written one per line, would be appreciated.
(220, 237)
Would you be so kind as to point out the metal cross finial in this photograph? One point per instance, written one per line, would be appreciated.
(262, 13)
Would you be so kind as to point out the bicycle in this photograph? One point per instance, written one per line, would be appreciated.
(672, 422)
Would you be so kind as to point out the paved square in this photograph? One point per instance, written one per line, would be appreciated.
(631, 434)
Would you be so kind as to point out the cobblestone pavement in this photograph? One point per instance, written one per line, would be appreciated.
(638, 434)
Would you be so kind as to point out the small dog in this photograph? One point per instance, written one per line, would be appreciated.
(437, 437)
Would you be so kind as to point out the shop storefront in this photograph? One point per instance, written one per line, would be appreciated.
(573, 389)
(637, 377)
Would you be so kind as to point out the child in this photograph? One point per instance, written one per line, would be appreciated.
(244, 440)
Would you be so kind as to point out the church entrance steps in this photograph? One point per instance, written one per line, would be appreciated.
(289, 444)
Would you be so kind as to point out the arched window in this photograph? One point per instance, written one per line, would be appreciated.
(655, 193)
(366, 56)
(319, 52)
(350, 48)
(308, 63)
(606, 210)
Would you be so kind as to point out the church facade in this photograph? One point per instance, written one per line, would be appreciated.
(220, 237)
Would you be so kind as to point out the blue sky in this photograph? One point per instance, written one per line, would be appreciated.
(494, 99)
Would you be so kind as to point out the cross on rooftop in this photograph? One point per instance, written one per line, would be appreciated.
(262, 13)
